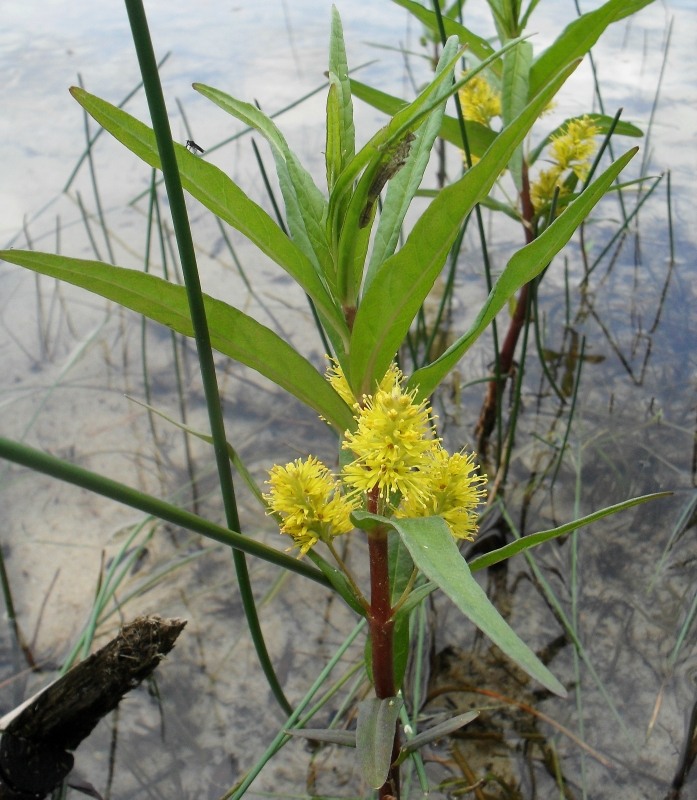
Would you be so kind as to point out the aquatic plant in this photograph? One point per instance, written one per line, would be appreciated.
(397, 485)
(497, 91)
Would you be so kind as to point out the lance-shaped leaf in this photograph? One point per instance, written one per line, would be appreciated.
(438, 731)
(514, 96)
(522, 545)
(378, 161)
(403, 186)
(478, 136)
(375, 730)
(217, 192)
(403, 281)
(534, 539)
(328, 735)
(306, 206)
(233, 333)
(435, 553)
(341, 134)
(380, 150)
(521, 268)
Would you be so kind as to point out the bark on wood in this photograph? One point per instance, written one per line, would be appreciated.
(38, 736)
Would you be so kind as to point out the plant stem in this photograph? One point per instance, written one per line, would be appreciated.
(161, 127)
(487, 416)
(381, 622)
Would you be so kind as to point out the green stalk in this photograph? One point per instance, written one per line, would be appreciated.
(165, 146)
(79, 476)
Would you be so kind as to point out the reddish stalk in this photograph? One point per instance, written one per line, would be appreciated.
(487, 416)
(381, 633)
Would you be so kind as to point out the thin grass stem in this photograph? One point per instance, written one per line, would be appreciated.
(295, 719)
(99, 484)
(568, 626)
(100, 131)
(93, 180)
(158, 112)
(572, 409)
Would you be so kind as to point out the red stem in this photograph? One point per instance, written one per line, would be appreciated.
(487, 416)
(381, 630)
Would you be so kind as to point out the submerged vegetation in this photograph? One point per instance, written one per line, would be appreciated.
(392, 523)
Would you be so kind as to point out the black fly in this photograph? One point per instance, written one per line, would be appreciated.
(192, 147)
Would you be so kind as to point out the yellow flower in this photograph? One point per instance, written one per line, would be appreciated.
(393, 435)
(337, 379)
(479, 100)
(542, 190)
(574, 148)
(454, 492)
(571, 150)
(308, 499)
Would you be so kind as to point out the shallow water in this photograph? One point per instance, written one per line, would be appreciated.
(69, 360)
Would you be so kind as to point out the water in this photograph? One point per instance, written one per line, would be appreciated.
(69, 360)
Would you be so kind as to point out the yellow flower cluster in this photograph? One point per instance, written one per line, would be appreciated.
(397, 459)
(390, 442)
(452, 490)
(308, 499)
(479, 100)
(571, 151)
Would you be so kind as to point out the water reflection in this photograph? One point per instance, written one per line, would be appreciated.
(208, 716)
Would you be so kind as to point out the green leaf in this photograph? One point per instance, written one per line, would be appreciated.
(514, 96)
(340, 82)
(435, 553)
(478, 136)
(375, 730)
(332, 145)
(439, 731)
(212, 187)
(577, 39)
(233, 333)
(328, 735)
(521, 268)
(404, 185)
(306, 206)
(475, 44)
(535, 539)
(505, 14)
(404, 280)
(378, 160)
(366, 522)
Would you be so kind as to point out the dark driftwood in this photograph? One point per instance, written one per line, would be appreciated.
(36, 740)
